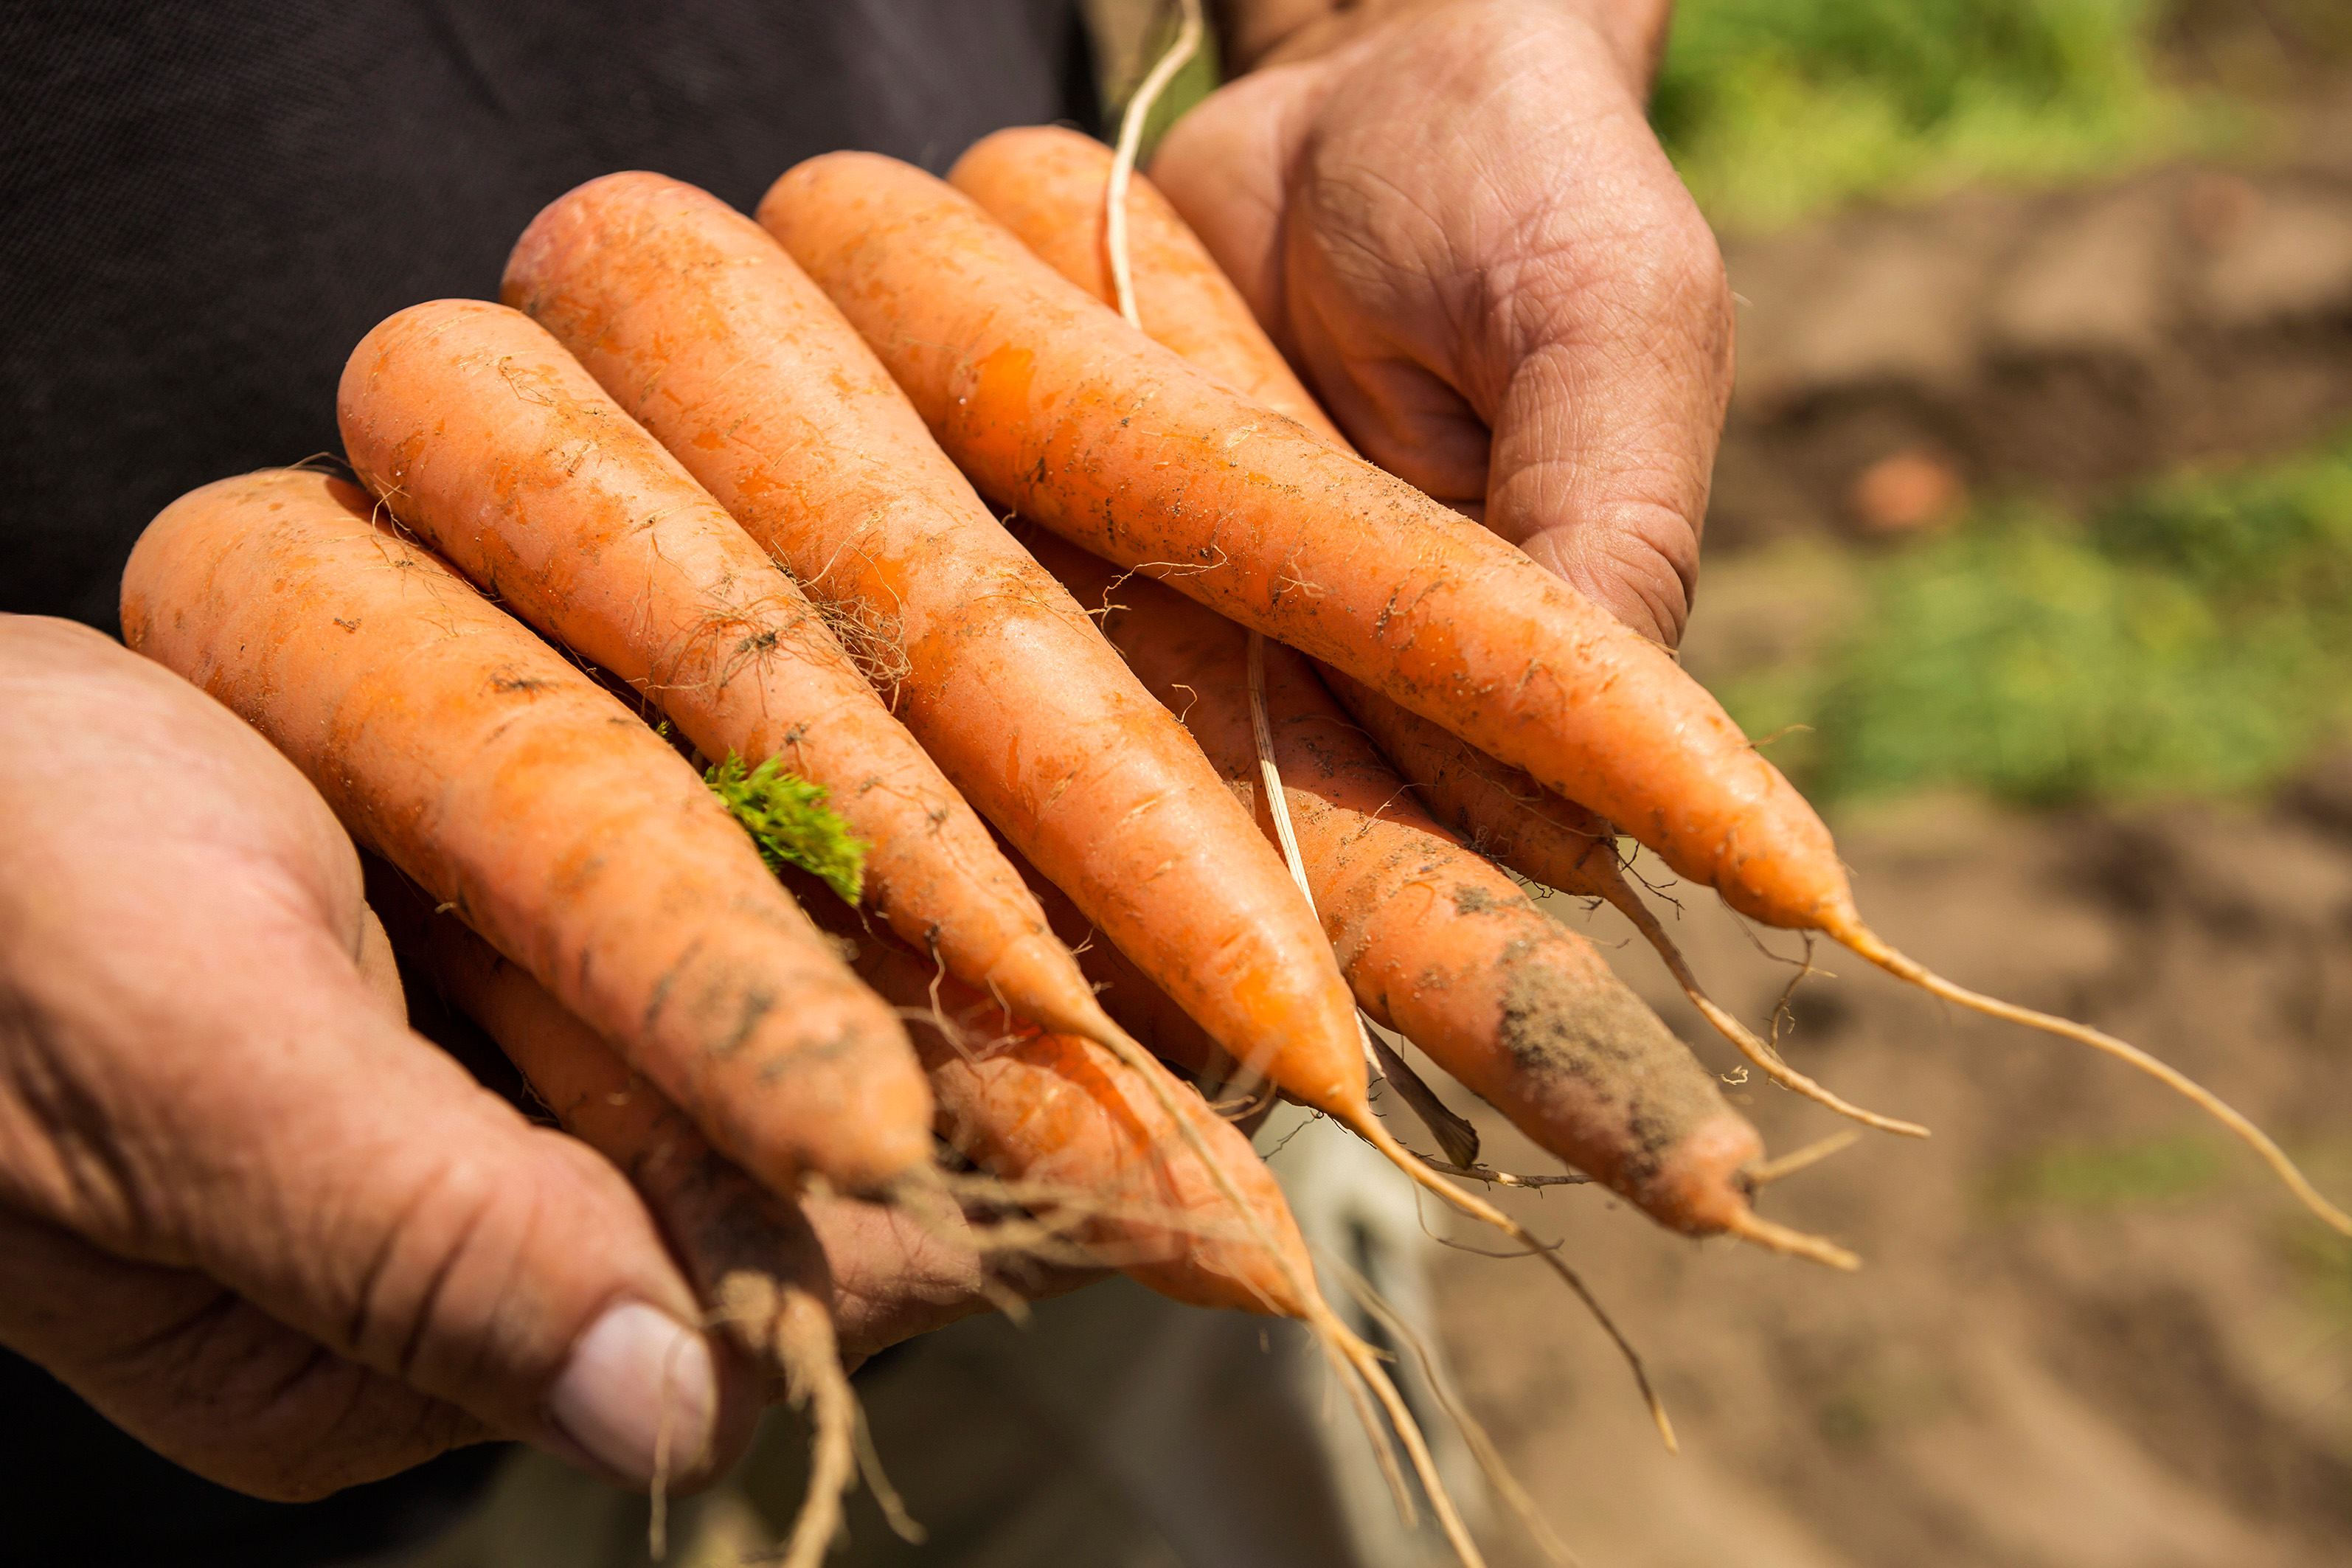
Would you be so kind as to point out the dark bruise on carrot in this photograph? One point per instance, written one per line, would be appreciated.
(1696, 791)
(1438, 942)
(458, 745)
(1046, 184)
(707, 332)
(752, 1256)
(481, 434)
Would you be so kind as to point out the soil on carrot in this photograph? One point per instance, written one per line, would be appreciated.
(2089, 1332)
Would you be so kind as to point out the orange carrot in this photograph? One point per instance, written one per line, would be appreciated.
(1438, 943)
(708, 333)
(753, 1257)
(1056, 407)
(1046, 185)
(482, 435)
(458, 746)
(1061, 1113)
(1194, 1215)
(1061, 410)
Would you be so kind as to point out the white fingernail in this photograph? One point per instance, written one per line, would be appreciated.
(639, 1394)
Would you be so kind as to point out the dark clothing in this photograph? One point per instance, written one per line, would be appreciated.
(207, 203)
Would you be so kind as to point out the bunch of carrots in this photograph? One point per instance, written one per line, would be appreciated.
(761, 655)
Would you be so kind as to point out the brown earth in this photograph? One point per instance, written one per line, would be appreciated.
(2059, 342)
(2091, 1331)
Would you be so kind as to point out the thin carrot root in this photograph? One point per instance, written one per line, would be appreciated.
(1493, 1177)
(877, 1483)
(1482, 1446)
(1356, 1356)
(1760, 1055)
(1866, 944)
(794, 1331)
(1764, 1173)
(1749, 1225)
(1477, 1208)
(1455, 1136)
(1350, 1352)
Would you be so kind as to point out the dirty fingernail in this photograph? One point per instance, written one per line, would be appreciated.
(638, 1395)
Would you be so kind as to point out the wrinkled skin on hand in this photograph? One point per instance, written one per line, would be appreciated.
(245, 1210)
(1458, 225)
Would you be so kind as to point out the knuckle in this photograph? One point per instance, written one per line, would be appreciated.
(426, 1301)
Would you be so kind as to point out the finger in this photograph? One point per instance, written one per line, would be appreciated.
(357, 1186)
(1618, 351)
(884, 1274)
(380, 968)
(1582, 311)
(207, 1380)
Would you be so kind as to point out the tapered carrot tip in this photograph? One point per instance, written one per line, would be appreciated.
(1701, 1183)
(1710, 1183)
(1847, 927)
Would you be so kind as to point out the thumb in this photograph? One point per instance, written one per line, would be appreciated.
(350, 1180)
(208, 1380)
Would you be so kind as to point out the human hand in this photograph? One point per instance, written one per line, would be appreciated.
(1455, 221)
(244, 1210)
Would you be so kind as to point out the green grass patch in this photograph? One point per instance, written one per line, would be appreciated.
(787, 817)
(2090, 1178)
(2193, 638)
(1775, 109)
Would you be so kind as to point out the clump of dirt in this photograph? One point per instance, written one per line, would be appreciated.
(2091, 1330)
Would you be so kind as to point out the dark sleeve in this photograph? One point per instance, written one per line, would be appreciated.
(210, 203)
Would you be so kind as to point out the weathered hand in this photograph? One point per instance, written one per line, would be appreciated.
(1458, 225)
(244, 1210)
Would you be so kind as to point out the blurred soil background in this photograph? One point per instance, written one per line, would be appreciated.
(2031, 559)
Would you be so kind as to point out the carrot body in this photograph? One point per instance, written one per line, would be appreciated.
(458, 746)
(482, 435)
(1505, 813)
(1046, 184)
(704, 331)
(1059, 409)
(1438, 943)
(1127, 993)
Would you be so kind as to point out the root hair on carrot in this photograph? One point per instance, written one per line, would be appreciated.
(1482, 1446)
(1866, 944)
(1479, 1209)
(1759, 1054)
(792, 1332)
(1764, 1173)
